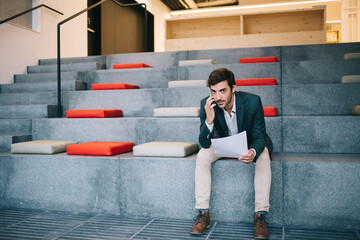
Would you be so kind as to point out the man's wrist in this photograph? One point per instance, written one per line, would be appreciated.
(210, 126)
(253, 151)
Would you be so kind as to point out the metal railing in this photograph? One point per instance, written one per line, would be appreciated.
(74, 16)
(27, 11)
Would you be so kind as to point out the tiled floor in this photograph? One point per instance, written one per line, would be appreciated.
(32, 224)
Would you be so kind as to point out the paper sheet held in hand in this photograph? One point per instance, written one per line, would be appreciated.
(233, 146)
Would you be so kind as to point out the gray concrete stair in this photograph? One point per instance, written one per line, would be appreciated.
(316, 142)
(7, 140)
(319, 99)
(52, 61)
(28, 111)
(140, 103)
(304, 187)
(312, 72)
(256, 70)
(82, 66)
(42, 77)
(143, 77)
(321, 134)
(28, 98)
(155, 59)
(138, 130)
(308, 134)
(15, 126)
(233, 55)
(325, 52)
(47, 86)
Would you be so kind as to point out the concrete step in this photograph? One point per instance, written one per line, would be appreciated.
(319, 99)
(325, 52)
(233, 55)
(139, 186)
(143, 77)
(256, 70)
(321, 134)
(310, 72)
(42, 77)
(47, 86)
(28, 111)
(52, 61)
(140, 103)
(299, 134)
(70, 67)
(155, 59)
(28, 98)
(138, 130)
(15, 126)
(7, 140)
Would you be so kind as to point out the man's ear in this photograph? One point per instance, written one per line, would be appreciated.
(233, 88)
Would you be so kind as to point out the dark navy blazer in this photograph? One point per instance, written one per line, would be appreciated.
(249, 116)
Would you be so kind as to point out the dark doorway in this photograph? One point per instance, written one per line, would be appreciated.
(113, 29)
(94, 29)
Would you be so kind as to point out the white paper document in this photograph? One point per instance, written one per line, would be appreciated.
(233, 146)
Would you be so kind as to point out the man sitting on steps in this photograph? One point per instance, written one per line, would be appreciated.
(227, 112)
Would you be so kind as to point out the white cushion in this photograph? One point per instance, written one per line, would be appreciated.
(41, 146)
(187, 83)
(351, 56)
(350, 79)
(198, 62)
(177, 112)
(165, 149)
(355, 110)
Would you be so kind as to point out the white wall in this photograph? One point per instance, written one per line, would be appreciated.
(21, 47)
(160, 12)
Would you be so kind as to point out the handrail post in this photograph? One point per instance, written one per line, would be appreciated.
(145, 30)
(59, 72)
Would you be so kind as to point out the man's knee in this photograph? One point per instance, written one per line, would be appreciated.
(205, 155)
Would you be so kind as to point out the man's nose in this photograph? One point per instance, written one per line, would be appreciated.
(217, 96)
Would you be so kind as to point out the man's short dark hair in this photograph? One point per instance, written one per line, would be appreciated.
(219, 75)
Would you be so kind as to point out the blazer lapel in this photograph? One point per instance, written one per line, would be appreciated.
(240, 108)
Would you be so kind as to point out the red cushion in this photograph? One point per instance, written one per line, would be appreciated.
(258, 60)
(270, 111)
(113, 86)
(99, 148)
(255, 82)
(130, 65)
(94, 113)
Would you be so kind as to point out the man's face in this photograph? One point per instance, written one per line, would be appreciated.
(222, 93)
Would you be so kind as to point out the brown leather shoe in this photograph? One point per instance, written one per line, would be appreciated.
(201, 224)
(260, 229)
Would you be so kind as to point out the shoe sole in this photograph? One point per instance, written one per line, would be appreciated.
(261, 238)
(197, 233)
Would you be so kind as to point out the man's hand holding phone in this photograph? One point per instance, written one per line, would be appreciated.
(209, 109)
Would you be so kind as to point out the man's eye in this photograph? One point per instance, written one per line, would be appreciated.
(222, 91)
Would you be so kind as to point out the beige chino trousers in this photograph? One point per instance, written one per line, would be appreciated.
(262, 180)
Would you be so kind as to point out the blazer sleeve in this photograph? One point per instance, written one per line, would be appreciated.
(205, 134)
(258, 132)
